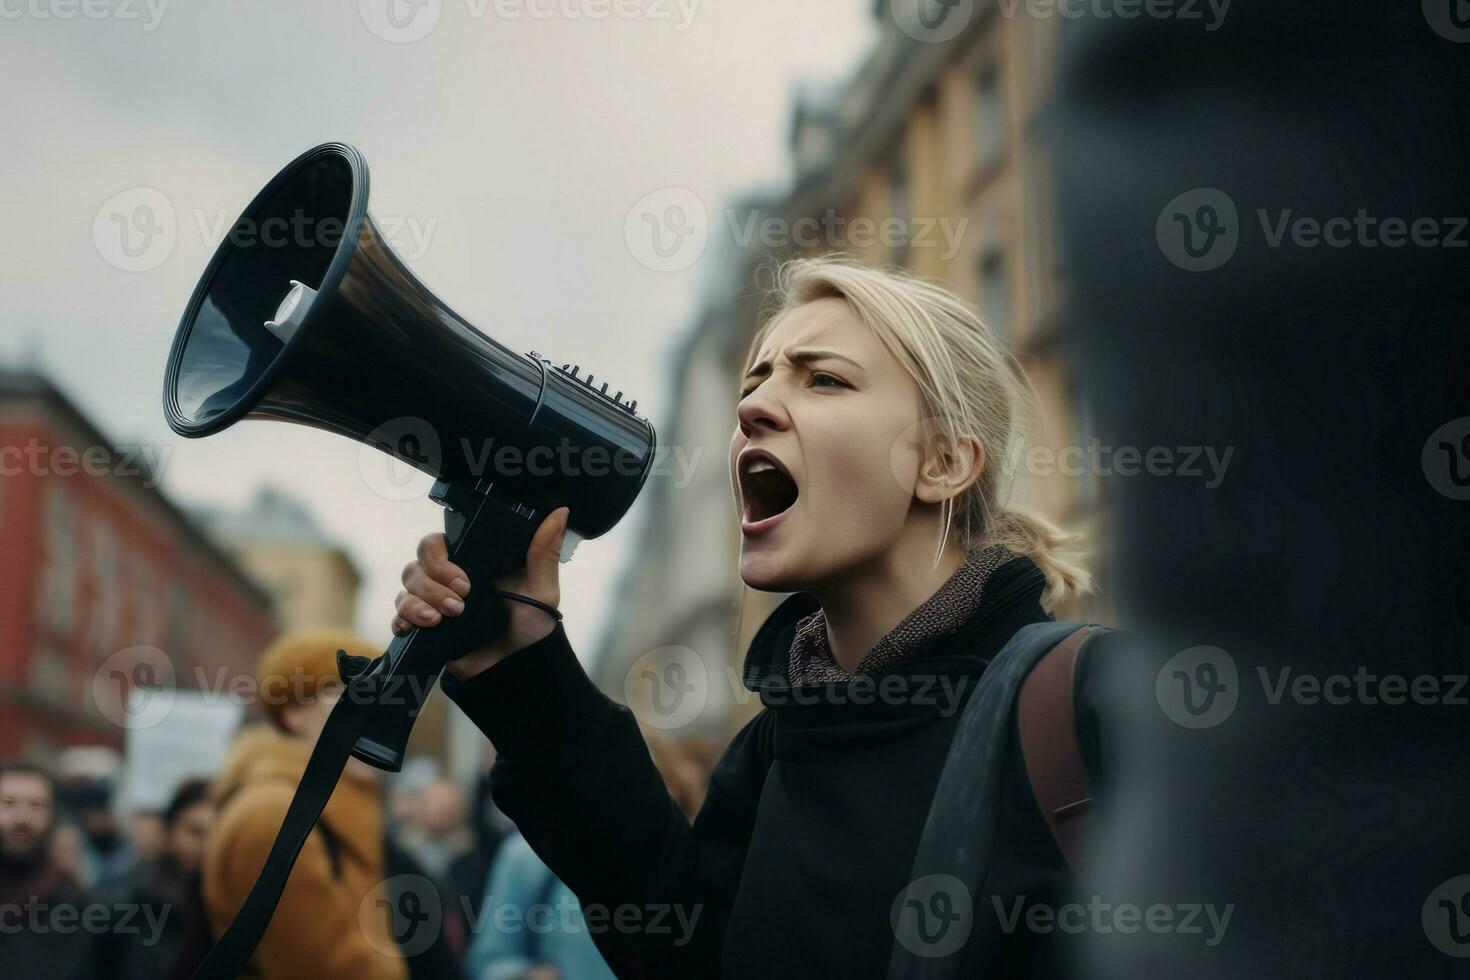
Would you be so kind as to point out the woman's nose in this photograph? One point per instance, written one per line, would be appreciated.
(760, 410)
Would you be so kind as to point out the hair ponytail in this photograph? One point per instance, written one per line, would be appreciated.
(1054, 551)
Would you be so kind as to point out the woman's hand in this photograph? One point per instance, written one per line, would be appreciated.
(435, 587)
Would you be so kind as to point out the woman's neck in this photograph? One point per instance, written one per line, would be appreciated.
(862, 608)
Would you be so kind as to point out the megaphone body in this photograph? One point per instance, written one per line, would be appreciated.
(305, 314)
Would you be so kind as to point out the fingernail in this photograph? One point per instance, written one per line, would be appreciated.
(430, 618)
(454, 605)
(462, 586)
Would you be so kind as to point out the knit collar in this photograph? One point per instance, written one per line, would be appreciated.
(942, 614)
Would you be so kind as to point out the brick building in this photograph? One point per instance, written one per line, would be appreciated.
(98, 564)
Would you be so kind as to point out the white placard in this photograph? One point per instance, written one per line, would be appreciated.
(191, 740)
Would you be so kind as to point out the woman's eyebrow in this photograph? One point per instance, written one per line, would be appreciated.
(804, 355)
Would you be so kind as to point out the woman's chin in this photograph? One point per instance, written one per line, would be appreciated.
(766, 572)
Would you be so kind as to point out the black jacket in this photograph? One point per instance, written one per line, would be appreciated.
(807, 836)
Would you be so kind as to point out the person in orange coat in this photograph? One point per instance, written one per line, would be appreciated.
(329, 922)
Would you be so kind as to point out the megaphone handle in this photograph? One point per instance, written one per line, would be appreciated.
(487, 538)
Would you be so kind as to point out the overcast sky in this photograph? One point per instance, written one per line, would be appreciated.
(512, 146)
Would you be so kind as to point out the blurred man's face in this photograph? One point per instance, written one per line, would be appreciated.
(146, 832)
(443, 807)
(189, 834)
(26, 814)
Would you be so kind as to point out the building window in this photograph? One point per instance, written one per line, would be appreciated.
(990, 118)
(995, 295)
(898, 209)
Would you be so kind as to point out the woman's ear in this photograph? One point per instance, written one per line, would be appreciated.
(949, 466)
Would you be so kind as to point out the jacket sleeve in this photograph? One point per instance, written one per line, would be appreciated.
(573, 772)
(314, 932)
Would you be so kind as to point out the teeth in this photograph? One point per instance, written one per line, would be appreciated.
(759, 466)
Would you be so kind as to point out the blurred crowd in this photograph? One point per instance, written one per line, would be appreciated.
(408, 875)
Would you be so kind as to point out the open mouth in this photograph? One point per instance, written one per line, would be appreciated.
(766, 489)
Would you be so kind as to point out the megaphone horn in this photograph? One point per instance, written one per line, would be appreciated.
(327, 327)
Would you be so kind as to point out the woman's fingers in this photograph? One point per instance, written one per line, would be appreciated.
(434, 556)
(415, 611)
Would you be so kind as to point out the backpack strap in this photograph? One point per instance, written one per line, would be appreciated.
(1048, 728)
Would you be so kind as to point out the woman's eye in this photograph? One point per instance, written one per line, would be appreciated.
(823, 380)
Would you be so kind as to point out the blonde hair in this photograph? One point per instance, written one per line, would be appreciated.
(972, 388)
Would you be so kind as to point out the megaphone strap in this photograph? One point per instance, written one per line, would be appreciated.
(230, 956)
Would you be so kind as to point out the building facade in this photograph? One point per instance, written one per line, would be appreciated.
(106, 585)
(312, 580)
